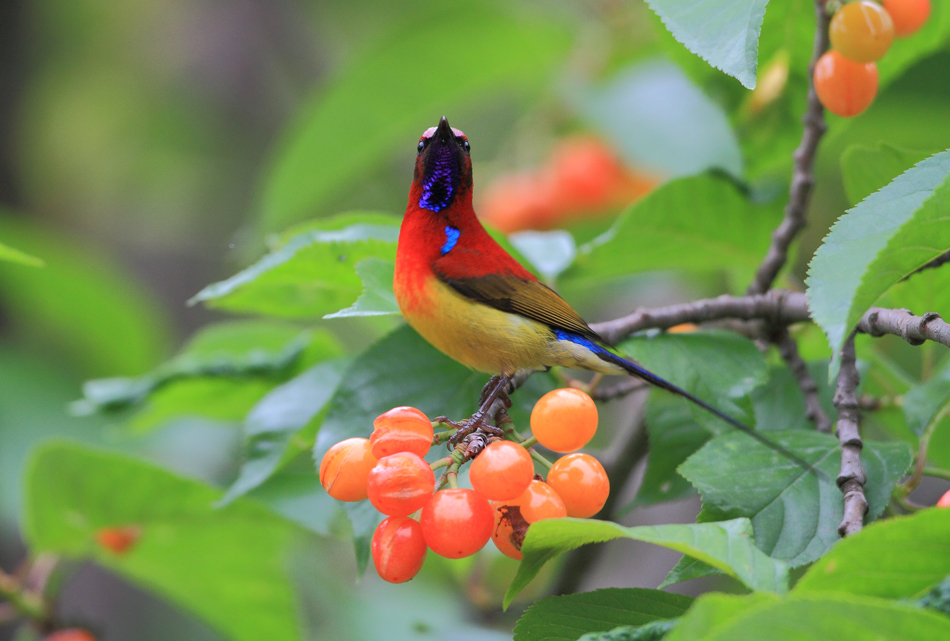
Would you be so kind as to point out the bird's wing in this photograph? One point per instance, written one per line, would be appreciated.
(529, 298)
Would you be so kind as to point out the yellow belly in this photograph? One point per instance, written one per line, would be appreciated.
(487, 339)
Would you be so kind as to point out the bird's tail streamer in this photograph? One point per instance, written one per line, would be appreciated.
(644, 374)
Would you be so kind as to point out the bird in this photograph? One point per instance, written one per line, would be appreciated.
(467, 296)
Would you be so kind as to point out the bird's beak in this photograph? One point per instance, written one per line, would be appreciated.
(444, 132)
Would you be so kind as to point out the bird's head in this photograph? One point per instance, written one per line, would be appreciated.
(443, 168)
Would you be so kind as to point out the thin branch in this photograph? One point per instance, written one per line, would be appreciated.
(788, 348)
(901, 322)
(851, 480)
(581, 560)
(803, 175)
(778, 307)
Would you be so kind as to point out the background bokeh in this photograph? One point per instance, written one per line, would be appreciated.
(148, 147)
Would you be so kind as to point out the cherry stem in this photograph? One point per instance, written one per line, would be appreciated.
(540, 459)
(441, 437)
(937, 473)
(529, 443)
(442, 462)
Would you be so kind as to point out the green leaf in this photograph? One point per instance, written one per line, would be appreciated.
(821, 617)
(718, 367)
(82, 304)
(371, 108)
(567, 617)
(866, 169)
(363, 519)
(905, 52)
(310, 275)
(227, 566)
(877, 243)
(779, 405)
(661, 121)
(282, 426)
(204, 367)
(549, 252)
(795, 514)
(926, 403)
(13, 255)
(713, 609)
(673, 437)
(900, 558)
(377, 298)
(700, 222)
(726, 545)
(648, 632)
(688, 568)
(725, 34)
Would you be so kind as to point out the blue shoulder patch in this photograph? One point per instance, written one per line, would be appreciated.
(451, 238)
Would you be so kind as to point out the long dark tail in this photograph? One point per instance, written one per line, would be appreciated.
(644, 374)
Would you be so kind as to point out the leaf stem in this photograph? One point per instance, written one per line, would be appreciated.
(937, 473)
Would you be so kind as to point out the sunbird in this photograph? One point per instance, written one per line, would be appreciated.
(462, 292)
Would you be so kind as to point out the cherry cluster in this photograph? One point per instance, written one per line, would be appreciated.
(861, 32)
(583, 175)
(506, 495)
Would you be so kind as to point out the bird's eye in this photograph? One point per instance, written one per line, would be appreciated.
(422, 145)
(466, 145)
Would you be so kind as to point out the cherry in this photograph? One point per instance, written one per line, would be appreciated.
(944, 501)
(581, 483)
(564, 420)
(118, 539)
(844, 87)
(345, 468)
(510, 529)
(861, 31)
(401, 429)
(456, 522)
(908, 15)
(540, 502)
(398, 549)
(400, 484)
(501, 471)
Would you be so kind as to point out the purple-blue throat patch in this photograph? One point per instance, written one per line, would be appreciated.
(441, 179)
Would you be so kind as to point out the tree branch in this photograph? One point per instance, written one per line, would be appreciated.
(851, 480)
(803, 175)
(788, 348)
(778, 307)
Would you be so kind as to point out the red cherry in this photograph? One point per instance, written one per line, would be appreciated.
(398, 549)
(345, 468)
(118, 539)
(581, 482)
(456, 523)
(401, 429)
(400, 484)
(501, 471)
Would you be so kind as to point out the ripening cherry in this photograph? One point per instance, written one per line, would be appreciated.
(345, 468)
(586, 173)
(564, 420)
(844, 87)
(72, 634)
(540, 502)
(400, 484)
(398, 549)
(908, 15)
(944, 501)
(861, 31)
(401, 429)
(456, 523)
(581, 482)
(501, 471)
(118, 540)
